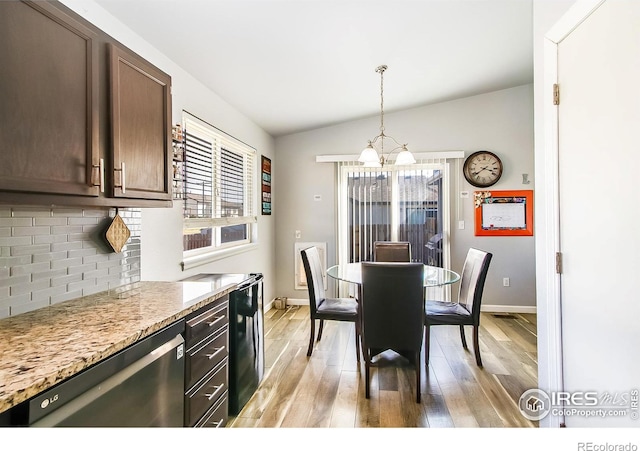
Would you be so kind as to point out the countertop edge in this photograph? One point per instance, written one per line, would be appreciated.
(61, 373)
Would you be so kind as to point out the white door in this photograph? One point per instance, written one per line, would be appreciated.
(599, 202)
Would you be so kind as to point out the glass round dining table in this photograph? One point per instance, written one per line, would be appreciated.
(434, 276)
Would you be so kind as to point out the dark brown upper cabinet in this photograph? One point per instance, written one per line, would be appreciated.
(84, 121)
(48, 101)
(140, 99)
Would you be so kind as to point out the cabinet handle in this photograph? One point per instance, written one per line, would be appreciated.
(97, 175)
(217, 423)
(123, 178)
(102, 175)
(215, 352)
(212, 323)
(216, 388)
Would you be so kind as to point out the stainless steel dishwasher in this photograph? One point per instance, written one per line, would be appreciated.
(141, 386)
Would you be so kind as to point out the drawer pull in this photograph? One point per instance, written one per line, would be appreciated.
(217, 423)
(218, 318)
(210, 396)
(216, 352)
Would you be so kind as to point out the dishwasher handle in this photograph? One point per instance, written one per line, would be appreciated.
(86, 399)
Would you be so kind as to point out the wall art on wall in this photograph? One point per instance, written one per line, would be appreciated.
(266, 185)
(504, 213)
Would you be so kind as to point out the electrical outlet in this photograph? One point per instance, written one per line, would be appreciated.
(505, 282)
(298, 234)
(461, 225)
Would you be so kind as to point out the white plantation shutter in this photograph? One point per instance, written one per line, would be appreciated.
(219, 185)
(198, 174)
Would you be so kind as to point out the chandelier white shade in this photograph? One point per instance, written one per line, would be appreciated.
(369, 157)
(373, 157)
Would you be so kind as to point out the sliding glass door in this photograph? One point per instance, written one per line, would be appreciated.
(407, 203)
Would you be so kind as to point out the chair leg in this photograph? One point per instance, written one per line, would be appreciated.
(313, 332)
(418, 366)
(358, 341)
(464, 339)
(427, 334)
(320, 329)
(476, 344)
(367, 371)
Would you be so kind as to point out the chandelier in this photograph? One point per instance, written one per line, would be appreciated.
(374, 157)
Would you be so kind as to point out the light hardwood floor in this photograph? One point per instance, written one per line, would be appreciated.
(327, 389)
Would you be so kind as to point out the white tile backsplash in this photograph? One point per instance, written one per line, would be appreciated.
(50, 255)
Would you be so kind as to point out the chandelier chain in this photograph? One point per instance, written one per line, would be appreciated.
(382, 101)
(370, 155)
(381, 70)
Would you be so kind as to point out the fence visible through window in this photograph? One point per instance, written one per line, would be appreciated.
(394, 205)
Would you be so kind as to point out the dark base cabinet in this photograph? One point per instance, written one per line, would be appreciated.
(245, 335)
(207, 366)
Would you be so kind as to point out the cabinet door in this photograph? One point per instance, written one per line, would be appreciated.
(48, 106)
(140, 127)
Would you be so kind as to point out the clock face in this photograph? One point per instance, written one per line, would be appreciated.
(482, 169)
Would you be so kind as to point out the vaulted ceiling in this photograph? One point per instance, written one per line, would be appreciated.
(293, 65)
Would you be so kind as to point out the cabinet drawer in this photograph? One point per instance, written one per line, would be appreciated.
(205, 393)
(217, 416)
(206, 355)
(206, 323)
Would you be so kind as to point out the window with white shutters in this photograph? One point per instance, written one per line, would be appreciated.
(219, 204)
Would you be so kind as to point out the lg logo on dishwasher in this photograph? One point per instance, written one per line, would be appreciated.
(47, 401)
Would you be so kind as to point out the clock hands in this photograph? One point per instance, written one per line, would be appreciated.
(483, 169)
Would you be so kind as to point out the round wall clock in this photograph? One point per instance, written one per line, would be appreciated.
(482, 168)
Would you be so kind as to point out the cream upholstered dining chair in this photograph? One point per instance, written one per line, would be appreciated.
(323, 308)
(397, 326)
(465, 312)
(391, 251)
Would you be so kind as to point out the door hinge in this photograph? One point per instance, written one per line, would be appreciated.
(556, 94)
(558, 262)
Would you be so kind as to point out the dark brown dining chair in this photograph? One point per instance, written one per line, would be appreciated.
(323, 308)
(396, 326)
(465, 312)
(391, 251)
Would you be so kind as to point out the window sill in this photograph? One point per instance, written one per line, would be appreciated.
(202, 259)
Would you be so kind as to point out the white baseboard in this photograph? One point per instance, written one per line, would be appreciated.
(291, 301)
(508, 309)
(485, 308)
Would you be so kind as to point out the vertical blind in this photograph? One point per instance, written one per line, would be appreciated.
(404, 203)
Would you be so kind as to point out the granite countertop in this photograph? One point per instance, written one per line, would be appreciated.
(41, 348)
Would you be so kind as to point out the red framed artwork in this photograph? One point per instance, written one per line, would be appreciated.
(504, 213)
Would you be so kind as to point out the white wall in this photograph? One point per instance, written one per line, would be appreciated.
(500, 121)
(162, 228)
